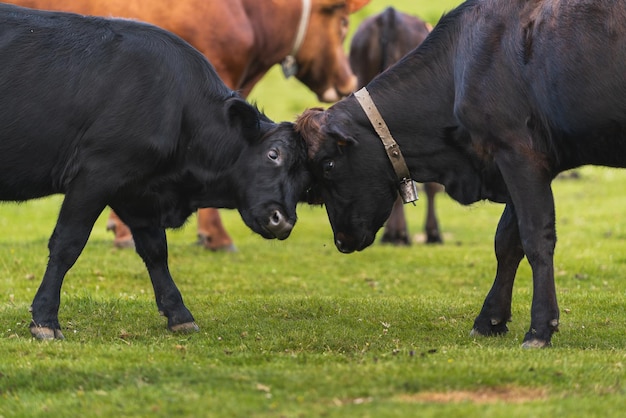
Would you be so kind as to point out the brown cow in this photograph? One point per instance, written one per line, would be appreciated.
(243, 39)
(379, 42)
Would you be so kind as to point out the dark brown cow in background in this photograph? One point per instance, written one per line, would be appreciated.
(379, 42)
(243, 39)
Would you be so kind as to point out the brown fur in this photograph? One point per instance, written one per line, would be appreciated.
(309, 125)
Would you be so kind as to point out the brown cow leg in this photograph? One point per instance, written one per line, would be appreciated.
(123, 236)
(396, 229)
(211, 232)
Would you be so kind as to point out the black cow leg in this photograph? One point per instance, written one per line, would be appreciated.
(68, 239)
(151, 245)
(396, 228)
(529, 185)
(496, 310)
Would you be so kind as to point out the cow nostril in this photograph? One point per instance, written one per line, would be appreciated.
(276, 218)
(342, 247)
(340, 243)
(278, 225)
(344, 243)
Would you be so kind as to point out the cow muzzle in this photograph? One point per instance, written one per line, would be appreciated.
(336, 93)
(278, 225)
(348, 244)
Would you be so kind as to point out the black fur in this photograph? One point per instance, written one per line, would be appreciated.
(500, 98)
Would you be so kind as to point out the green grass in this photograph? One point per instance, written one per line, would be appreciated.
(296, 329)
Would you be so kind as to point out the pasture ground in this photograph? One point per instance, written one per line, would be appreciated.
(295, 329)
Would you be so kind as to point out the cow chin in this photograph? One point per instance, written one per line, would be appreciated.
(347, 244)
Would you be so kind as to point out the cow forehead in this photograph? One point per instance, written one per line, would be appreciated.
(285, 137)
(310, 125)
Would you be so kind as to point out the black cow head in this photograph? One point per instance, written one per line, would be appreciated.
(352, 177)
(271, 175)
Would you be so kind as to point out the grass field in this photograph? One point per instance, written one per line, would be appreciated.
(296, 329)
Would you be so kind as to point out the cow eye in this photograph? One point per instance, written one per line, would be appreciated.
(327, 167)
(344, 27)
(273, 154)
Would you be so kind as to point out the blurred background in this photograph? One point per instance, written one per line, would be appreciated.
(283, 99)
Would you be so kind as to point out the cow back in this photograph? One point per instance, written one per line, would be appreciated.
(381, 41)
(74, 90)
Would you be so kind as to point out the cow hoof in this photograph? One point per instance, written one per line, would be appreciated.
(535, 343)
(124, 243)
(230, 248)
(187, 327)
(396, 239)
(124, 239)
(475, 333)
(45, 333)
(492, 328)
(434, 239)
(207, 243)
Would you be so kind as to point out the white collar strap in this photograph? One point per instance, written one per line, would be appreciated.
(406, 185)
(289, 64)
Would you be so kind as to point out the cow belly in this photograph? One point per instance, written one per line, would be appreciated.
(604, 145)
(26, 173)
(167, 208)
(16, 191)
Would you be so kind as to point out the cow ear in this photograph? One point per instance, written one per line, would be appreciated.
(242, 114)
(345, 141)
(354, 5)
(342, 138)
